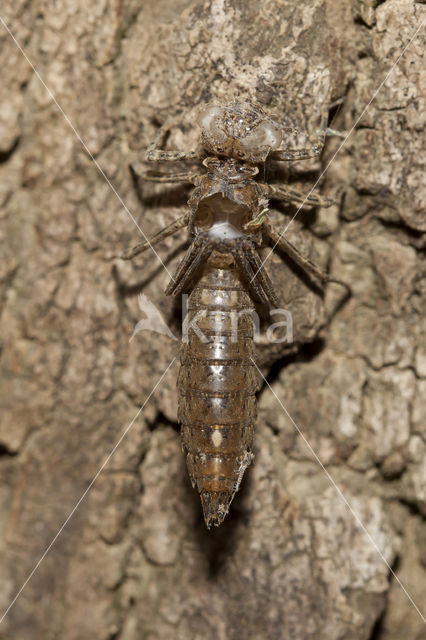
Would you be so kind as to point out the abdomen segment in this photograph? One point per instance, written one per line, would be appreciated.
(217, 384)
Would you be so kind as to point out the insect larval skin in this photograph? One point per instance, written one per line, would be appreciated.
(223, 273)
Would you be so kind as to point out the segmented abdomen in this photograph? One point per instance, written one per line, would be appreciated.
(217, 384)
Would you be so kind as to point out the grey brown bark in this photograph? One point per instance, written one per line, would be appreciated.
(135, 560)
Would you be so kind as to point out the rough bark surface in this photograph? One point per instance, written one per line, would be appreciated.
(135, 560)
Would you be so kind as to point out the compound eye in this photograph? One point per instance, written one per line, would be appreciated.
(206, 116)
(267, 134)
(210, 120)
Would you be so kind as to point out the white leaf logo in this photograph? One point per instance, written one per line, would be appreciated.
(153, 321)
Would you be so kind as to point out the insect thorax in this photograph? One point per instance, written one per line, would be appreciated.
(226, 199)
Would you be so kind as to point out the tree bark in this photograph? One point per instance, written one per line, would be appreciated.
(337, 493)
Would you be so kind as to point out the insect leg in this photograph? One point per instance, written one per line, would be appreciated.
(183, 221)
(291, 195)
(306, 152)
(183, 176)
(309, 267)
(199, 251)
(311, 151)
(297, 154)
(155, 154)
